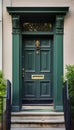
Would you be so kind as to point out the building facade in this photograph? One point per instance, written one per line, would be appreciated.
(0, 34)
(37, 44)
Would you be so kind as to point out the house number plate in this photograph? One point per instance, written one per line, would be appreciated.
(37, 76)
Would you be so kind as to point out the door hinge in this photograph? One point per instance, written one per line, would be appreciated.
(22, 72)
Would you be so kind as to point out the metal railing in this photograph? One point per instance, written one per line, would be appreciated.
(5, 109)
(66, 107)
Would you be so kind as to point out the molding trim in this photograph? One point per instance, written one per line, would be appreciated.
(59, 24)
(15, 23)
(50, 10)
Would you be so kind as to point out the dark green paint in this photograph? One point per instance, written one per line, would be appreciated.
(37, 61)
(57, 13)
(58, 72)
(38, 33)
(58, 63)
(16, 61)
(16, 74)
(50, 10)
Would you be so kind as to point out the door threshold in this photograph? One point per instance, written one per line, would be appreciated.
(36, 108)
(37, 102)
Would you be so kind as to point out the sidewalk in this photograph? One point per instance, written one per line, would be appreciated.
(37, 128)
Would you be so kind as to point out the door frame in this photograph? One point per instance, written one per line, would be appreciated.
(58, 13)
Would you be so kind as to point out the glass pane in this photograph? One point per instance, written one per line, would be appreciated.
(35, 27)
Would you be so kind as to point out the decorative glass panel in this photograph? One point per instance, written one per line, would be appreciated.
(35, 27)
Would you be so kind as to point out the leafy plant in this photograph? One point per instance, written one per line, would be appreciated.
(69, 75)
(2, 90)
(2, 84)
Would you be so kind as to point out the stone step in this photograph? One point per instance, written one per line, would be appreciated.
(40, 120)
(37, 119)
(37, 125)
(37, 113)
(37, 116)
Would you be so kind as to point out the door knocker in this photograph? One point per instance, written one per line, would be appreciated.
(37, 46)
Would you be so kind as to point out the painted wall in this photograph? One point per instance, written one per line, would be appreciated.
(7, 41)
(7, 30)
(0, 34)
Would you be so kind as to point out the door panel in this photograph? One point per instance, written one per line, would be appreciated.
(29, 89)
(29, 60)
(37, 61)
(45, 60)
(45, 89)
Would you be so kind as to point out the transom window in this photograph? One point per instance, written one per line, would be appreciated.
(35, 27)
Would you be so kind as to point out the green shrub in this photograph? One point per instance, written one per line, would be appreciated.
(2, 91)
(2, 84)
(69, 75)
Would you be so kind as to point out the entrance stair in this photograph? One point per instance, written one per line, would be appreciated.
(37, 116)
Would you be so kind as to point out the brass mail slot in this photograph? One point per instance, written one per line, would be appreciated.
(37, 76)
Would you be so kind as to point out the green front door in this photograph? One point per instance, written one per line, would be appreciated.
(37, 66)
